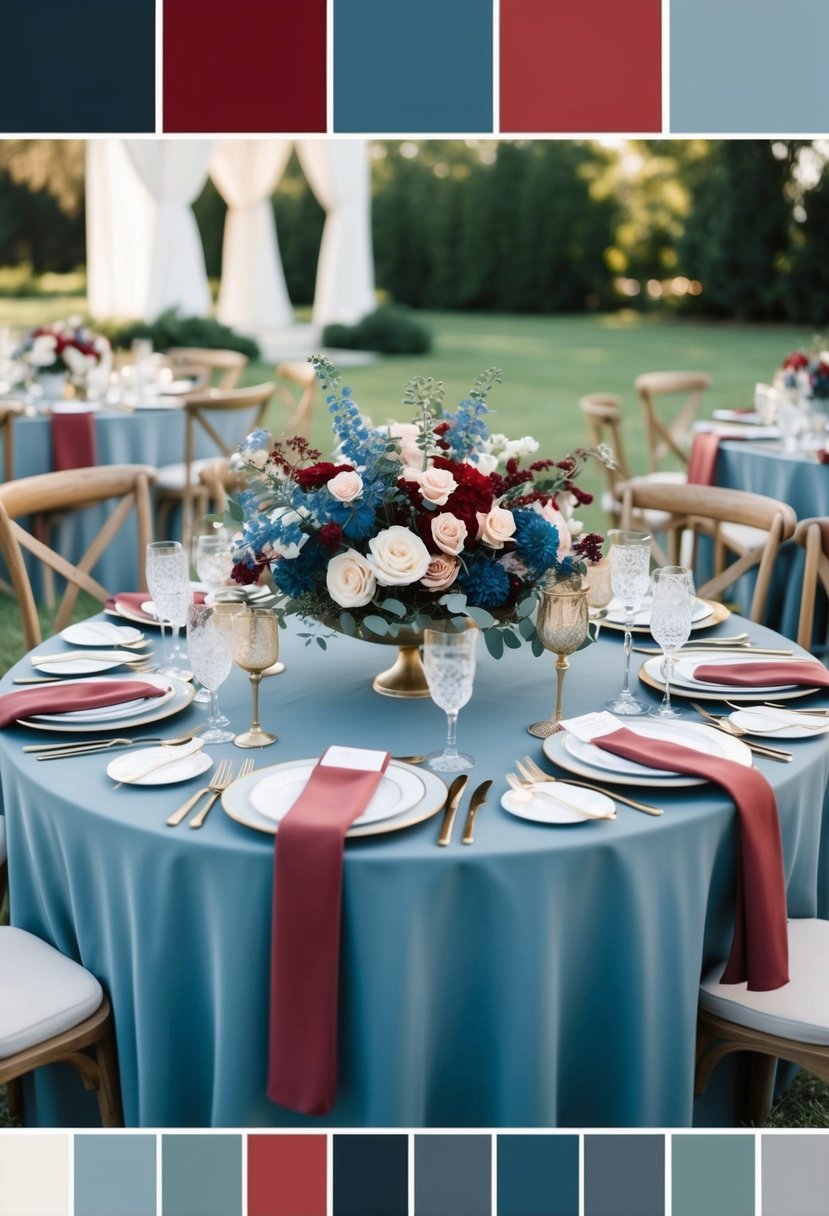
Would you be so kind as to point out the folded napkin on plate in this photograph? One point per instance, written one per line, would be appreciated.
(702, 462)
(73, 441)
(305, 951)
(760, 675)
(760, 949)
(132, 601)
(64, 698)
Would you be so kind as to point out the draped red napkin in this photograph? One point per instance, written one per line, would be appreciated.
(132, 601)
(760, 949)
(63, 698)
(305, 949)
(758, 675)
(73, 441)
(702, 462)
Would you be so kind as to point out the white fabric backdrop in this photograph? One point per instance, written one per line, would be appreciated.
(119, 220)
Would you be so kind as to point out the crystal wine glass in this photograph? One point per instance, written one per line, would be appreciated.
(256, 647)
(630, 578)
(673, 598)
(214, 561)
(210, 647)
(169, 582)
(449, 663)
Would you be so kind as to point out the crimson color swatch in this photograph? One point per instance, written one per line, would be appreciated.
(581, 65)
(286, 1175)
(249, 65)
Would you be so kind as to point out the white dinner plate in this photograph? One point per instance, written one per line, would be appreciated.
(684, 672)
(748, 417)
(398, 791)
(100, 633)
(81, 665)
(686, 734)
(543, 806)
(616, 614)
(183, 769)
(768, 723)
(125, 709)
(650, 673)
(139, 712)
(705, 615)
(75, 407)
(237, 803)
(700, 738)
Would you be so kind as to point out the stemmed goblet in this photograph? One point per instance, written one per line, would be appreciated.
(214, 561)
(673, 598)
(562, 626)
(630, 578)
(597, 582)
(168, 581)
(210, 647)
(449, 664)
(255, 647)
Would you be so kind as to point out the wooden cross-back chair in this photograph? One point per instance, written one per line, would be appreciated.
(9, 410)
(813, 536)
(180, 484)
(70, 491)
(710, 511)
(210, 368)
(672, 436)
(296, 388)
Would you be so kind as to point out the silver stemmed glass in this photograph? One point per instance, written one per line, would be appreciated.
(449, 664)
(630, 556)
(673, 598)
(168, 579)
(210, 647)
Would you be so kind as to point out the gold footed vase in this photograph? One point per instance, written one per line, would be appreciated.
(562, 625)
(405, 678)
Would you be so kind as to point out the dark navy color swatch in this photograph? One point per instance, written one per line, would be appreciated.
(624, 1176)
(538, 1175)
(84, 67)
(371, 1176)
(412, 66)
(453, 1174)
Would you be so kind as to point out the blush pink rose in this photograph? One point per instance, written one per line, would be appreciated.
(406, 434)
(436, 485)
(496, 528)
(441, 574)
(347, 486)
(449, 533)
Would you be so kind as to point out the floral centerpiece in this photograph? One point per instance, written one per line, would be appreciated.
(420, 525)
(808, 372)
(63, 348)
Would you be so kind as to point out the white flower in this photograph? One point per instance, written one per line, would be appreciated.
(398, 557)
(484, 462)
(436, 485)
(43, 350)
(406, 434)
(75, 360)
(496, 527)
(346, 486)
(287, 516)
(350, 580)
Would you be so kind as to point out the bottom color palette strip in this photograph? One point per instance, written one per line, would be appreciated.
(739, 1173)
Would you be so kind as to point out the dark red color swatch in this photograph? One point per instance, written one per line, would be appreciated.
(581, 65)
(244, 65)
(286, 1175)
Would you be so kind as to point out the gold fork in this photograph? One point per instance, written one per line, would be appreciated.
(724, 724)
(217, 788)
(538, 774)
(526, 785)
(220, 777)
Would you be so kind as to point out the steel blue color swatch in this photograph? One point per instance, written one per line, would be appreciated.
(201, 1175)
(624, 1175)
(453, 1174)
(413, 66)
(538, 1175)
(115, 1174)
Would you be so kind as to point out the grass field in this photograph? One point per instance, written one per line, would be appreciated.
(548, 363)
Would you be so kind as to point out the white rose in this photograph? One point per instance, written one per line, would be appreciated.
(350, 580)
(436, 485)
(398, 557)
(346, 486)
(74, 359)
(42, 353)
(406, 434)
(518, 448)
(484, 462)
(496, 527)
(448, 532)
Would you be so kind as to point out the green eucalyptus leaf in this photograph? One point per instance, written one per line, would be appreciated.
(321, 642)
(526, 628)
(482, 618)
(348, 624)
(235, 511)
(395, 607)
(511, 639)
(537, 647)
(526, 607)
(494, 642)
(375, 624)
(455, 601)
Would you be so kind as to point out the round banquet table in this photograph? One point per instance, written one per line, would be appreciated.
(541, 977)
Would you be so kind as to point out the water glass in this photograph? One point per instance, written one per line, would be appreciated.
(673, 600)
(168, 580)
(449, 664)
(213, 560)
(210, 647)
(630, 557)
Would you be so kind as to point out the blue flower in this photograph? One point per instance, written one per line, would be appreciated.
(485, 582)
(536, 541)
(293, 576)
(467, 429)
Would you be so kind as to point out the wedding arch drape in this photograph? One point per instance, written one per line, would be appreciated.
(144, 253)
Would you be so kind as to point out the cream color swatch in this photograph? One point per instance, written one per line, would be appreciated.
(34, 1174)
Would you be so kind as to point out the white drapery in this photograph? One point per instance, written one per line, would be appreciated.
(119, 221)
(339, 174)
(253, 294)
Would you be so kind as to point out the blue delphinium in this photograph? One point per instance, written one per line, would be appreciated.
(536, 541)
(467, 427)
(485, 582)
(359, 445)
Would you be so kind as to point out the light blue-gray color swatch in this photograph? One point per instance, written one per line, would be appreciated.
(712, 1175)
(795, 1175)
(749, 66)
(115, 1174)
(201, 1176)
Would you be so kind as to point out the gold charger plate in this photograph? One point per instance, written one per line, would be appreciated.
(237, 805)
(736, 694)
(718, 614)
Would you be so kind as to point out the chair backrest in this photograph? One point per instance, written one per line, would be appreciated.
(220, 480)
(297, 390)
(211, 368)
(813, 536)
(672, 435)
(9, 410)
(702, 510)
(70, 491)
(603, 415)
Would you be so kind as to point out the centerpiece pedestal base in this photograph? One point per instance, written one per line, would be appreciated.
(405, 678)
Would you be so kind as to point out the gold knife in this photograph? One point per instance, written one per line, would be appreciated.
(478, 799)
(452, 799)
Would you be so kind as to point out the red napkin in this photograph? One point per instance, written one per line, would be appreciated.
(63, 698)
(132, 601)
(758, 675)
(305, 950)
(760, 949)
(702, 463)
(73, 441)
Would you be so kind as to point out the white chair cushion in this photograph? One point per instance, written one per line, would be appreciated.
(172, 476)
(800, 1009)
(44, 993)
(2, 839)
(744, 538)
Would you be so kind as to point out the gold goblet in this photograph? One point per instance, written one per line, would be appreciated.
(255, 648)
(562, 627)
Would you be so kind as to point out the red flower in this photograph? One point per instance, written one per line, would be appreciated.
(465, 474)
(244, 574)
(796, 361)
(330, 536)
(317, 475)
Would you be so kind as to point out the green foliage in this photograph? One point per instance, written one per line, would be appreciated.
(171, 329)
(388, 330)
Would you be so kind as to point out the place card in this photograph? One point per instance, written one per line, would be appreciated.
(365, 759)
(588, 727)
